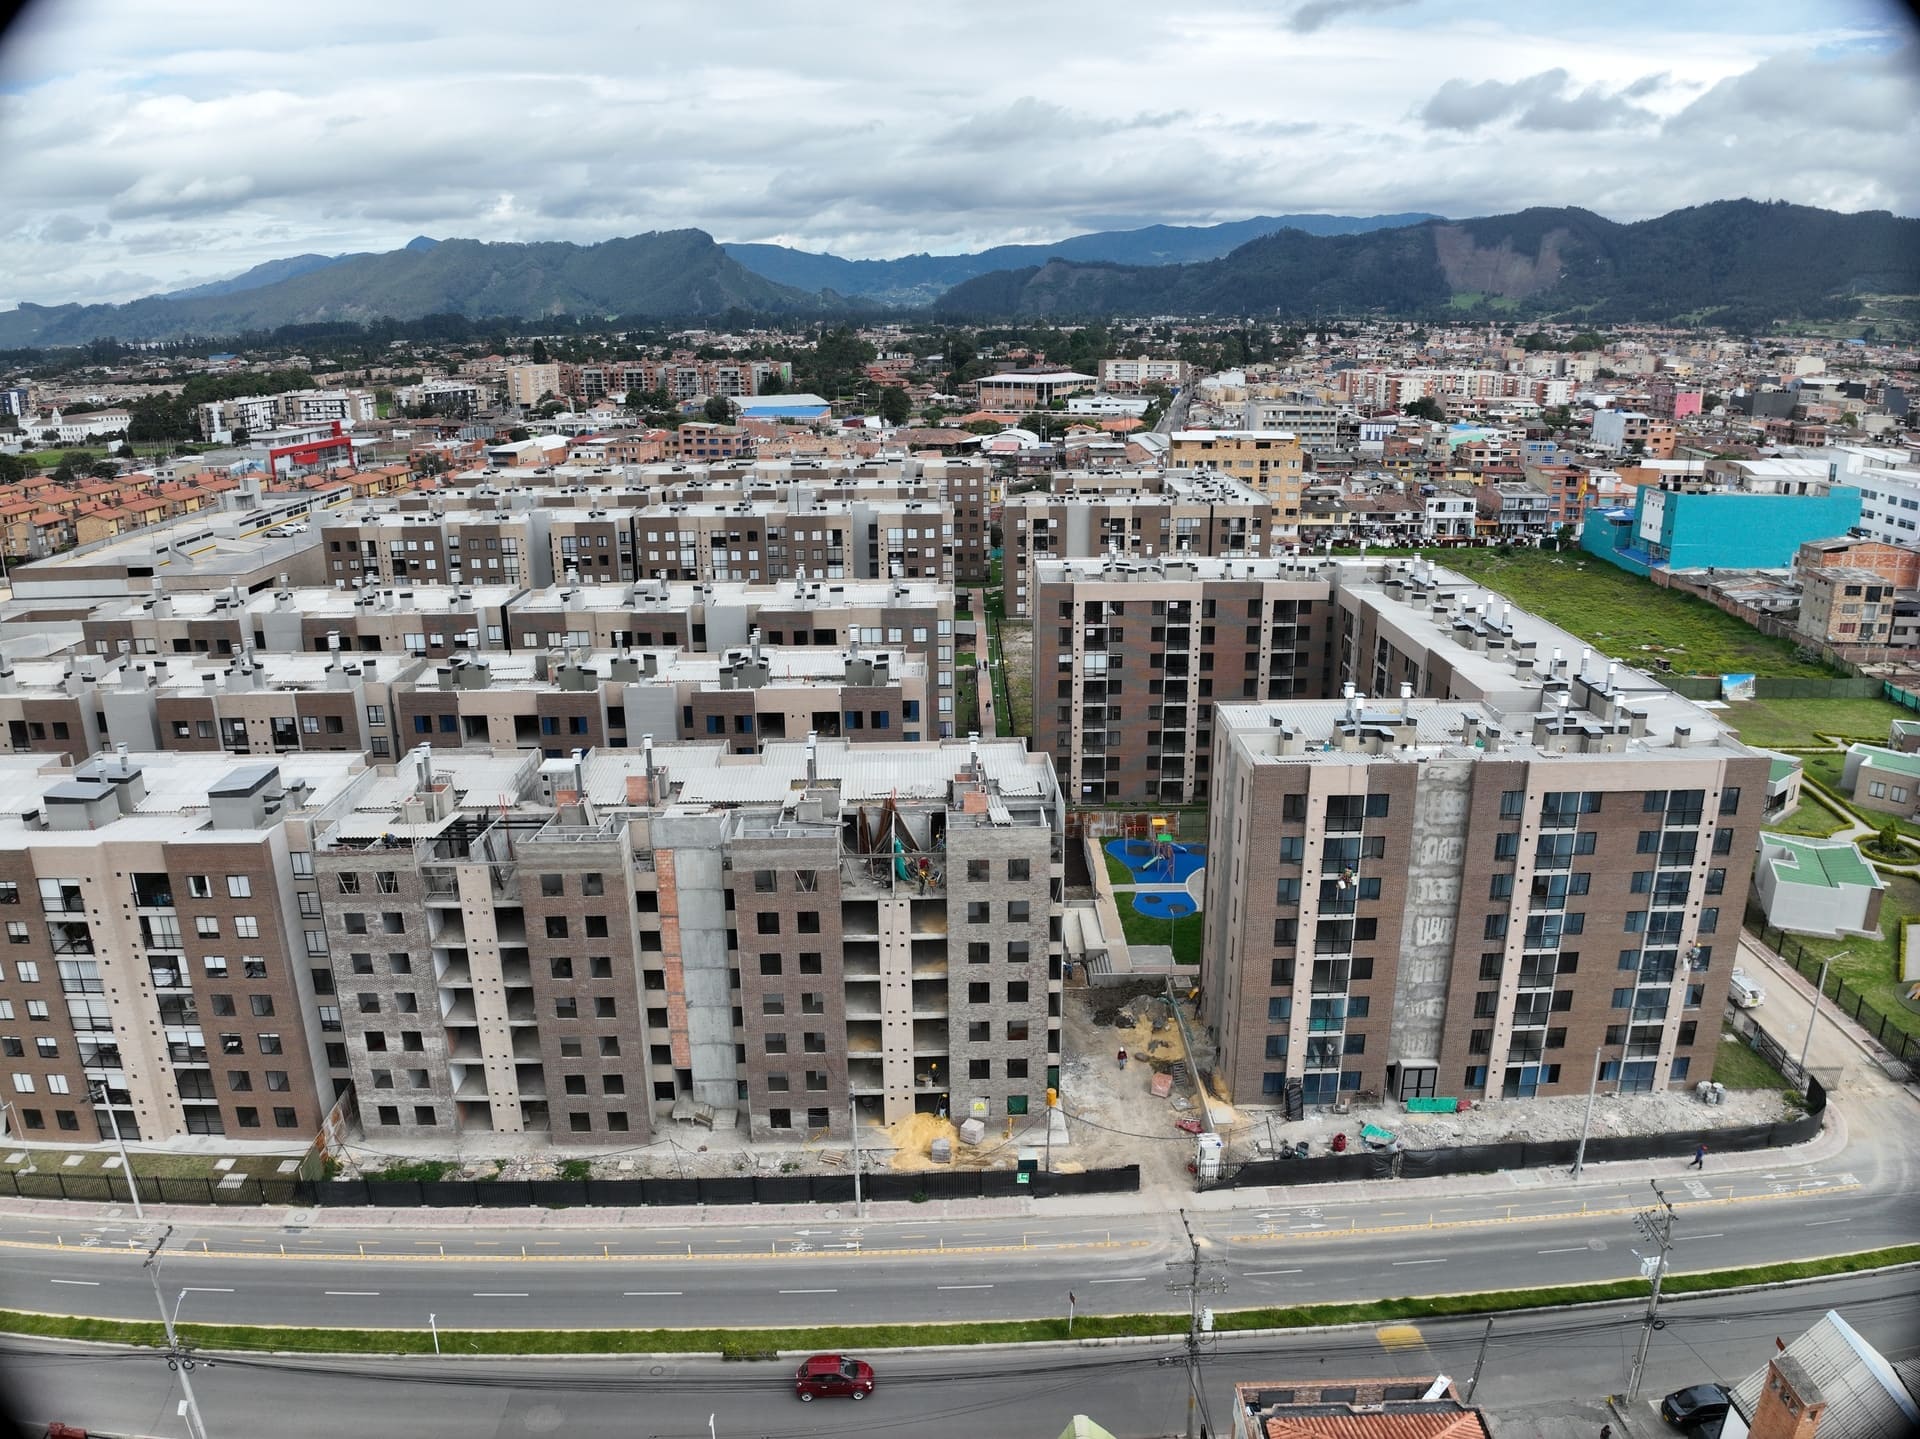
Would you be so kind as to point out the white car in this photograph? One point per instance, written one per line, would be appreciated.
(1744, 991)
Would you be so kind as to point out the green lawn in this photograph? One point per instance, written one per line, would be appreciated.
(145, 1166)
(1828, 767)
(1739, 1066)
(1871, 966)
(1145, 929)
(1621, 615)
(1789, 724)
(1813, 817)
(1116, 870)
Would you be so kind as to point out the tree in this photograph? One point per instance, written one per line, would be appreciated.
(719, 409)
(519, 433)
(12, 469)
(1426, 408)
(103, 470)
(240, 435)
(895, 407)
(540, 352)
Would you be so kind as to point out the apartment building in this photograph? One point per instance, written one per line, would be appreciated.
(758, 542)
(433, 620)
(1023, 390)
(684, 378)
(1139, 371)
(164, 958)
(1421, 898)
(529, 385)
(1186, 514)
(438, 546)
(1131, 656)
(463, 398)
(291, 408)
(1314, 423)
(593, 944)
(1840, 605)
(1270, 461)
(749, 697)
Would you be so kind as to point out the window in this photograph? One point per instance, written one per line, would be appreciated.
(239, 886)
(556, 926)
(1019, 869)
(1729, 804)
(207, 927)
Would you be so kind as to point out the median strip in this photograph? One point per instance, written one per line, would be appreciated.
(742, 1343)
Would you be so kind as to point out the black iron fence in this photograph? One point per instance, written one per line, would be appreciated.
(1890, 1032)
(1547, 1154)
(573, 1193)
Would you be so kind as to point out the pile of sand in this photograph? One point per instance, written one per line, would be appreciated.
(913, 1139)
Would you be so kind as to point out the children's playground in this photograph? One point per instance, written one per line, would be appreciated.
(1167, 875)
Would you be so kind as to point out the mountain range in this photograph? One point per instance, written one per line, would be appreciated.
(1734, 261)
(921, 279)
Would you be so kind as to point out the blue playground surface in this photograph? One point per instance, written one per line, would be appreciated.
(1163, 904)
(1148, 862)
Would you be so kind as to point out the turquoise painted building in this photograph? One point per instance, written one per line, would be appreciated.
(1722, 529)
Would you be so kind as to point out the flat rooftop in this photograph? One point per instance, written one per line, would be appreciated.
(177, 787)
(663, 595)
(786, 665)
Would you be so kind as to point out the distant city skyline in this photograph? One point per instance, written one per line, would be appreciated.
(150, 149)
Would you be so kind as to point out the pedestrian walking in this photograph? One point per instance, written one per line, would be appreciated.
(1699, 1157)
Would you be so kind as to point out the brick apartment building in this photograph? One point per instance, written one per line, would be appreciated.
(1421, 897)
(488, 941)
(1131, 656)
(1269, 461)
(1185, 514)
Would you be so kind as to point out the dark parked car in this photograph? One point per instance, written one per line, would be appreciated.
(833, 1376)
(1695, 1404)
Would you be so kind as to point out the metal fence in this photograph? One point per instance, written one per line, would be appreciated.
(574, 1193)
(1554, 1154)
(1903, 1045)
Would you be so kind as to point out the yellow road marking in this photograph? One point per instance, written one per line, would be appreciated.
(1398, 1336)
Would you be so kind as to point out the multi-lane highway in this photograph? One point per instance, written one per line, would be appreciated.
(838, 1271)
(1533, 1363)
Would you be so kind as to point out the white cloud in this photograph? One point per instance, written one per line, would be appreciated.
(157, 146)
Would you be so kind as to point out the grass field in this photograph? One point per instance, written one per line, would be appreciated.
(1183, 934)
(1790, 724)
(1629, 618)
(1813, 817)
(1739, 1066)
(1870, 966)
(145, 1166)
(1828, 767)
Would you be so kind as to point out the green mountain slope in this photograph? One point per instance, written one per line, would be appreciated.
(1734, 261)
(918, 279)
(666, 273)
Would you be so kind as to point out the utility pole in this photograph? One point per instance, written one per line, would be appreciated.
(1586, 1121)
(178, 1359)
(1198, 1276)
(1480, 1362)
(853, 1134)
(1657, 1225)
(1819, 989)
(126, 1165)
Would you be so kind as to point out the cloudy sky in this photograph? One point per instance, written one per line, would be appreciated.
(146, 146)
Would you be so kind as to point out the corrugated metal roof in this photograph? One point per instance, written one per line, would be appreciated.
(1865, 1398)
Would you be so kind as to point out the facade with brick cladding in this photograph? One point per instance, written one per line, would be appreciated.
(1420, 897)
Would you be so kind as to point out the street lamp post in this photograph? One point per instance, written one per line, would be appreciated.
(1586, 1121)
(176, 1359)
(126, 1164)
(1806, 1046)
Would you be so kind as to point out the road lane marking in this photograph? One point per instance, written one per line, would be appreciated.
(1399, 1336)
(1575, 1249)
(1398, 1262)
(1263, 1273)
(809, 1291)
(351, 1293)
(652, 1294)
(1678, 1237)
(500, 1294)
(1136, 1279)
(90, 1283)
(199, 1289)
(963, 1286)
(1816, 1223)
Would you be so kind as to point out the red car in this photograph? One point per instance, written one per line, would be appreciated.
(833, 1376)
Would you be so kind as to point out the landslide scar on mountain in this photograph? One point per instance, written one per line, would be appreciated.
(1499, 270)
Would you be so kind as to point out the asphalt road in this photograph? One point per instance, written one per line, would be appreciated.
(822, 1272)
(1531, 1361)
